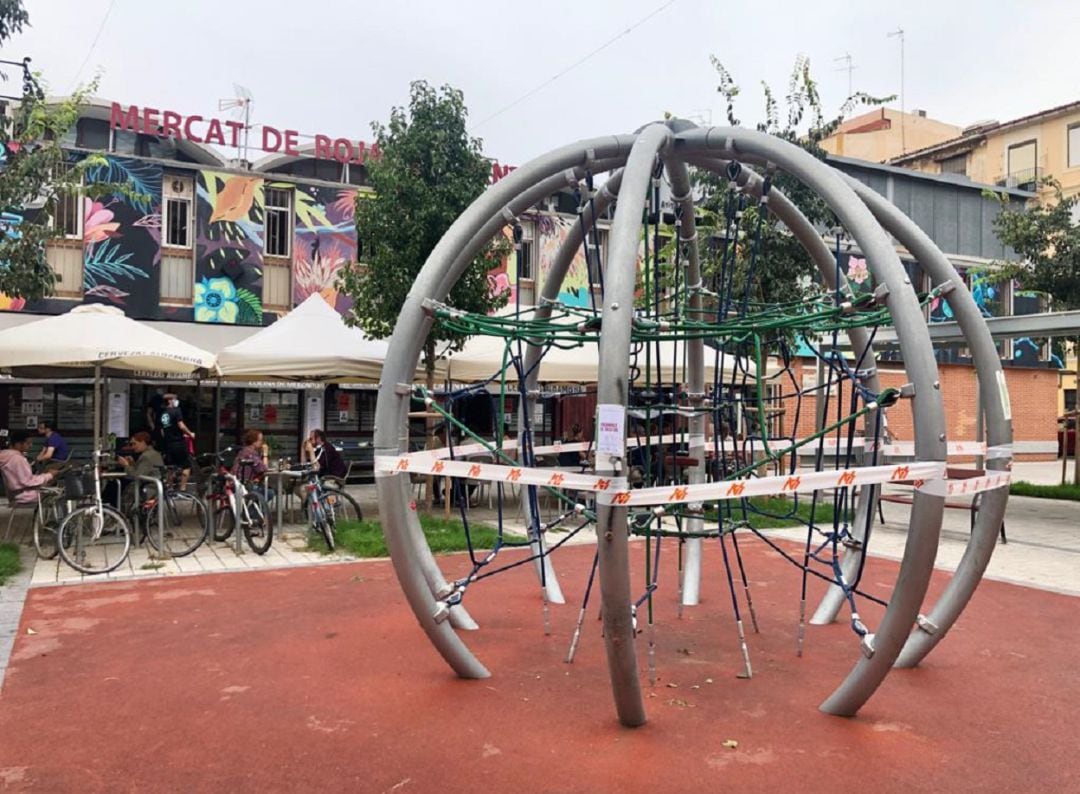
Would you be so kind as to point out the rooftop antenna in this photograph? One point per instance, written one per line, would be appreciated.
(899, 33)
(849, 67)
(241, 103)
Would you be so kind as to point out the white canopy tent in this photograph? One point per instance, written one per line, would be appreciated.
(482, 357)
(312, 343)
(96, 339)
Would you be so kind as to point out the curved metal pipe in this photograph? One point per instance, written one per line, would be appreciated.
(408, 549)
(880, 650)
(613, 390)
(930, 630)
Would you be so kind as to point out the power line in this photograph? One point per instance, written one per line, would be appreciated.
(576, 63)
(93, 44)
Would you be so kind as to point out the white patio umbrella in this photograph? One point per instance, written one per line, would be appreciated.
(482, 356)
(96, 339)
(312, 342)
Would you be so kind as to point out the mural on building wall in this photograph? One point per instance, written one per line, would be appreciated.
(551, 232)
(122, 237)
(229, 249)
(324, 241)
(503, 279)
(9, 227)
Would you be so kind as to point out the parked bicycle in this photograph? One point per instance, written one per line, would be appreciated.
(325, 507)
(186, 521)
(232, 502)
(93, 538)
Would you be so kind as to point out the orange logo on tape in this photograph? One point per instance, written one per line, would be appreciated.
(402, 464)
(474, 470)
(678, 494)
(621, 498)
(791, 484)
(556, 479)
(736, 489)
(846, 478)
(900, 473)
(603, 485)
(514, 475)
(437, 466)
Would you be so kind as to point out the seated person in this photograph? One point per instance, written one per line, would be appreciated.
(252, 460)
(18, 476)
(324, 455)
(148, 462)
(574, 458)
(56, 448)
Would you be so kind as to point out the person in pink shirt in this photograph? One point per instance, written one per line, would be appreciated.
(17, 472)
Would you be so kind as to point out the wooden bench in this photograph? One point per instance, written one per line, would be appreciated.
(951, 473)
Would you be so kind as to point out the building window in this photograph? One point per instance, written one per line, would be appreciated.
(278, 222)
(955, 165)
(526, 268)
(176, 219)
(1022, 159)
(92, 134)
(1073, 147)
(68, 217)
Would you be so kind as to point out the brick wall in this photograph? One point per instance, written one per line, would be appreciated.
(1032, 392)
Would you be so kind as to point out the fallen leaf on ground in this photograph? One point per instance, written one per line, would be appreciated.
(731, 744)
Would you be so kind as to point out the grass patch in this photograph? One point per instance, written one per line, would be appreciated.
(10, 562)
(365, 538)
(772, 512)
(1068, 491)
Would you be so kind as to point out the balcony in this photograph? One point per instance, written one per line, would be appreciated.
(1022, 180)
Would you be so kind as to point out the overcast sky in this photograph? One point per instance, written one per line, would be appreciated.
(334, 66)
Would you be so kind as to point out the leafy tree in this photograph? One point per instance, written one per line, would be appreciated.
(1046, 237)
(784, 272)
(34, 175)
(429, 170)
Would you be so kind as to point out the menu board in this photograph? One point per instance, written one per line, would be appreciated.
(266, 411)
(29, 405)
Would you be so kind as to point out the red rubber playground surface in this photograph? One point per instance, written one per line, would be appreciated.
(318, 679)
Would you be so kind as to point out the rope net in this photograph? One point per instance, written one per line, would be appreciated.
(713, 464)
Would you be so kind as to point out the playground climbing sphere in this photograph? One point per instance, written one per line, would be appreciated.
(693, 365)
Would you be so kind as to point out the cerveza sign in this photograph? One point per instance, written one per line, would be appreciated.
(199, 129)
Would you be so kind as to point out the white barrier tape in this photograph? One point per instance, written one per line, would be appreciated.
(999, 451)
(897, 447)
(764, 486)
(978, 484)
(515, 475)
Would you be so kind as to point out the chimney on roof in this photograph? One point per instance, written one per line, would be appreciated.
(919, 112)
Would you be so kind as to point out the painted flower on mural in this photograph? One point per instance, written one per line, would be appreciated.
(316, 268)
(857, 272)
(98, 223)
(345, 204)
(216, 301)
(9, 304)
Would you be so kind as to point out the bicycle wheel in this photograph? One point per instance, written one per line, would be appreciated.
(341, 505)
(224, 520)
(47, 520)
(323, 520)
(257, 522)
(94, 542)
(186, 525)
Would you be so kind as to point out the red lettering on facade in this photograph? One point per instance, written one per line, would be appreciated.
(343, 151)
(322, 148)
(119, 120)
(150, 121)
(271, 139)
(235, 128)
(170, 124)
(214, 134)
(191, 136)
(292, 138)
